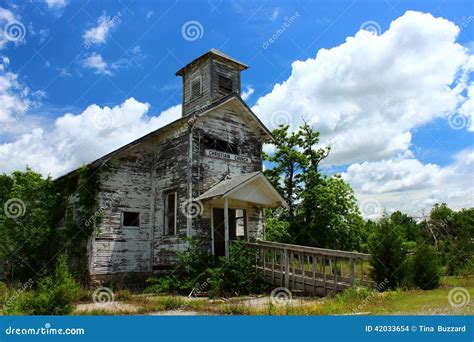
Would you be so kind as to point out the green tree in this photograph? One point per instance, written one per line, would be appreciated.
(459, 247)
(285, 175)
(28, 238)
(386, 245)
(323, 210)
(276, 229)
(407, 224)
(426, 271)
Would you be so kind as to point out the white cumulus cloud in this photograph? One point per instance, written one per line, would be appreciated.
(366, 95)
(80, 138)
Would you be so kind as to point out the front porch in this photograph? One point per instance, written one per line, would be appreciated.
(231, 202)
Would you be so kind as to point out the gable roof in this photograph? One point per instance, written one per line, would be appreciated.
(216, 53)
(233, 97)
(231, 185)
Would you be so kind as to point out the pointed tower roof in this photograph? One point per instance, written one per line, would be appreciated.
(215, 53)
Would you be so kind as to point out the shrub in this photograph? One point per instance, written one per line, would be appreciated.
(386, 246)
(425, 269)
(236, 274)
(192, 269)
(163, 284)
(55, 295)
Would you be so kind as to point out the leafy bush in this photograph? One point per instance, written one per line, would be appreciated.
(27, 220)
(55, 295)
(386, 246)
(425, 269)
(192, 269)
(163, 284)
(237, 273)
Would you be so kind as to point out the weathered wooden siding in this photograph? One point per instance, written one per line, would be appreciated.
(170, 174)
(137, 182)
(203, 70)
(126, 187)
(226, 124)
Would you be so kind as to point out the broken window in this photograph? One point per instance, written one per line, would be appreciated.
(170, 213)
(196, 88)
(220, 145)
(130, 219)
(225, 84)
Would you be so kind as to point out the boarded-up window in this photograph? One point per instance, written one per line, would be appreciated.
(130, 219)
(170, 213)
(225, 84)
(196, 88)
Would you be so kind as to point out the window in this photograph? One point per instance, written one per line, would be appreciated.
(220, 145)
(240, 223)
(170, 213)
(225, 84)
(130, 219)
(196, 88)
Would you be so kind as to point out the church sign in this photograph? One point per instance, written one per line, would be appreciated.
(227, 156)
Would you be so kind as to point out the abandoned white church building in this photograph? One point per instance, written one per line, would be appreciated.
(200, 175)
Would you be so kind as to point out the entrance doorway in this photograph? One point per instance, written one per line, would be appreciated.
(237, 228)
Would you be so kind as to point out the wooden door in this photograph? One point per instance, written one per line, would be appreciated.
(219, 232)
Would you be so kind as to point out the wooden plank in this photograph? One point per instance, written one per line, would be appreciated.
(314, 250)
(273, 266)
(226, 226)
(352, 271)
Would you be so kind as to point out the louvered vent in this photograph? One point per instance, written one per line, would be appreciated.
(196, 88)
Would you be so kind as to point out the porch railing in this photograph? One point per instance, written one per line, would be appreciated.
(309, 269)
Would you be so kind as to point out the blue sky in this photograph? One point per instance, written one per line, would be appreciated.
(75, 54)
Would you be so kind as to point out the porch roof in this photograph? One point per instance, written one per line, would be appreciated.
(251, 187)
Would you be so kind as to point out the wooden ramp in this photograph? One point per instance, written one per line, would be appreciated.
(314, 271)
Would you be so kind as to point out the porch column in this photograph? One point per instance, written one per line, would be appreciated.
(226, 226)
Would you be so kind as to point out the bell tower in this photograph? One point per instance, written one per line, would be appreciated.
(209, 78)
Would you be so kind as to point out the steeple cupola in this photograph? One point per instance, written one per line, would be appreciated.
(209, 78)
